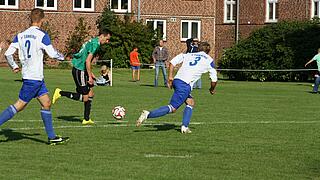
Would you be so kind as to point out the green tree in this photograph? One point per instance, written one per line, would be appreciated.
(77, 37)
(126, 34)
(285, 45)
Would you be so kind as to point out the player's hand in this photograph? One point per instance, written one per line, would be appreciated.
(93, 76)
(16, 70)
(212, 91)
(91, 81)
(2, 45)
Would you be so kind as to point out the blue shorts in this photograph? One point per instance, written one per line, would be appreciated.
(182, 91)
(135, 67)
(32, 89)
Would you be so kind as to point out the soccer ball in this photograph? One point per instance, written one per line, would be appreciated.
(118, 112)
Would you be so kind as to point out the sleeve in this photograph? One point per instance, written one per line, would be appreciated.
(47, 46)
(315, 57)
(10, 51)
(177, 60)
(213, 72)
(154, 53)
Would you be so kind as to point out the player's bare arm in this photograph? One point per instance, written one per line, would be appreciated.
(88, 66)
(170, 76)
(212, 88)
(308, 63)
(2, 45)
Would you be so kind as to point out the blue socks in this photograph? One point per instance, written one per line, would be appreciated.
(159, 112)
(46, 116)
(187, 113)
(7, 114)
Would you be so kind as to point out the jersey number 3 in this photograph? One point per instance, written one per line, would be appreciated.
(195, 62)
(28, 46)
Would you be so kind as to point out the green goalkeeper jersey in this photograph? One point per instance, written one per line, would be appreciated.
(89, 47)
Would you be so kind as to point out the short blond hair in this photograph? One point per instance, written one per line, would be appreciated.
(36, 15)
(204, 46)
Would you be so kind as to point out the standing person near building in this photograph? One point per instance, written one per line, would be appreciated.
(135, 64)
(193, 66)
(317, 80)
(160, 56)
(83, 75)
(30, 44)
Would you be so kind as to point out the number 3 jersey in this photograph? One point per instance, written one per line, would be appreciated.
(193, 66)
(31, 45)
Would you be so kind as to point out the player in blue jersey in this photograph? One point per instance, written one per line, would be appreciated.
(193, 66)
(31, 45)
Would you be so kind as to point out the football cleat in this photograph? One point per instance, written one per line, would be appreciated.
(142, 118)
(89, 122)
(56, 95)
(58, 140)
(185, 130)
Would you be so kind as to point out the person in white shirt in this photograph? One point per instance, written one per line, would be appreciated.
(31, 45)
(193, 66)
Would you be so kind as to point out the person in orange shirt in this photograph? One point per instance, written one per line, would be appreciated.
(135, 64)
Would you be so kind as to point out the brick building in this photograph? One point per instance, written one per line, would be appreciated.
(210, 20)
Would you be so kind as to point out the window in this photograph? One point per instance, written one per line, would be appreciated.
(83, 5)
(272, 13)
(46, 4)
(9, 4)
(315, 8)
(230, 11)
(121, 6)
(190, 29)
(159, 25)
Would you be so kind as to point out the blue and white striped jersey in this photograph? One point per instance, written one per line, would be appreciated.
(193, 66)
(31, 44)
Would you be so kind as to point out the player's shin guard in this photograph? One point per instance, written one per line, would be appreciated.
(7, 114)
(71, 95)
(160, 112)
(46, 116)
(87, 108)
(187, 113)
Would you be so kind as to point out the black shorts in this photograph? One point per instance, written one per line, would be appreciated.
(81, 79)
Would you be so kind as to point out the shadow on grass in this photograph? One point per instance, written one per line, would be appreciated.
(18, 80)
(70, 118)
(164, 127)
(12, 135)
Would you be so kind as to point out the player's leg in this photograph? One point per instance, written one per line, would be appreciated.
(87, 107)
(133, 74)
(187, 113)
(156, 74)
(79, 80)
(46, 116)
(27, 93)
(11, 110)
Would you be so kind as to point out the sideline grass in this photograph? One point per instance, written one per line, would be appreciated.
(248, 130)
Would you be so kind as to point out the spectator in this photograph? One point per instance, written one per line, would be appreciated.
(160, 56)
(104, 79)
(135, 64)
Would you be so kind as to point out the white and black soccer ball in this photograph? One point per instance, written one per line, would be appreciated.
(118, 112)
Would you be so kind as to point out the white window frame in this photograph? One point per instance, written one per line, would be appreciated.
(232, 4)
(190, 29)
(155, 26)
(272, 3)
(313, 8)
(82, 6)
(6, 6)
(119, 10)
(45, 7)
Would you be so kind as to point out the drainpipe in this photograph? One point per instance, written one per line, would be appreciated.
(237, 20)
(139, 11)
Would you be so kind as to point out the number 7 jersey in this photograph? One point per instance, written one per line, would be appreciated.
(31, 43)
(193, 66)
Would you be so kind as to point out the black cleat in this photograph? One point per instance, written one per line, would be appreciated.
(58, 140)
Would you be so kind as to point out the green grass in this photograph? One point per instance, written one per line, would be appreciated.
(248, 130)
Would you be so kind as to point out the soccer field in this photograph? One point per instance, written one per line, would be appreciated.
(248, 130)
